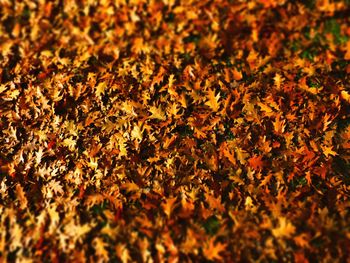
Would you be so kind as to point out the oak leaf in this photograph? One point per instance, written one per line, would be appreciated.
(212, 251)
(213, 100)
(256, 162)
(285, 228)
(157, 113)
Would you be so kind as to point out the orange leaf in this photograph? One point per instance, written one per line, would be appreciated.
(256, 162)
(169, 206)
(212, 251)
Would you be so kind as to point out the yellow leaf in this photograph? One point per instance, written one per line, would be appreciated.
(241, 155)
(136, 133)
(70, 143)
(327, 150)
(266, 109)
(213, 100)
(128, 107)
(56, 187)
(183, 100)
(54, 217)
(171, 80)
(100, 89)
(100, 248)
(123, 253)
(278, 79)
(157, 113)
(284, 229)
(345, 95)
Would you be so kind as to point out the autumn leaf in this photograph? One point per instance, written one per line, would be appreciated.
(344, 94)
(213, 100)
(212, 251)
(268, 111)
(21, 196)
(169, 205)
(157, 113)
(100, 89)
(55, 187)
(123, 253)
(241, 155)
(136, 133)
(279, 125)
(308, 178)
(228, 154)
(100, 248)
(284, 229)
(302, 240)
(327, 151)
(278, 79)
(237, 75)
(256, 162)
(70, 143)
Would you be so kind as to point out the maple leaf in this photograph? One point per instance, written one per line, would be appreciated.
(212, 251)
(213, 100)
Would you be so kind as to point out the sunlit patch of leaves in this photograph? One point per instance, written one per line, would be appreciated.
(174, 131)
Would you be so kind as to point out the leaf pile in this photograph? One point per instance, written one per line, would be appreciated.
(177, 131)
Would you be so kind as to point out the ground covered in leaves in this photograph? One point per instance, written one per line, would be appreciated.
(174, 130)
